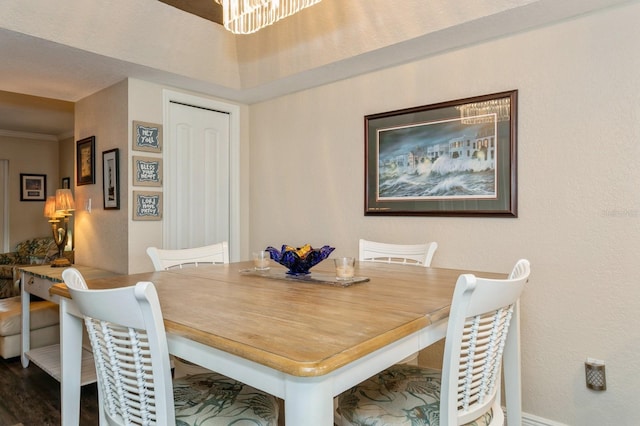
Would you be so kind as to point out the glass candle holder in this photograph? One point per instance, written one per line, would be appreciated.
(345, 268)
(261, 260)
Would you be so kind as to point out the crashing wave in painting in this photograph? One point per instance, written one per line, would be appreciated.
(445, 159)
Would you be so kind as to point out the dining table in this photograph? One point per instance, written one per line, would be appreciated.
(304, 339)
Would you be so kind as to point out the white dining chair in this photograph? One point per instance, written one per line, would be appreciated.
(406, 254)
(164, 259)
(467, 390)
(410, 254)
(178, 258)
(129, 344)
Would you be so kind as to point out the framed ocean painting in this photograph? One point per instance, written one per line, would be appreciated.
(455, 158)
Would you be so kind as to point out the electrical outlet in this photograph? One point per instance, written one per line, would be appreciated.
(595, 374)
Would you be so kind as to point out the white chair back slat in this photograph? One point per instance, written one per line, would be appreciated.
(165, 259)
(412, 254)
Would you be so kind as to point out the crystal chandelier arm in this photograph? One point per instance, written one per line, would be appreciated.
(248, 16)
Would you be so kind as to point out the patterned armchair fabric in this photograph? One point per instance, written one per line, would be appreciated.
(35, 250)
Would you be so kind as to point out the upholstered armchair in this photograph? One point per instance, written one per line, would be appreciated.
(33, 251)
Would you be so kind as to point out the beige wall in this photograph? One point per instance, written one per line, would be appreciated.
(145, 104)
(66, 161)
(579, 205)
(101, 236)
(28, 155)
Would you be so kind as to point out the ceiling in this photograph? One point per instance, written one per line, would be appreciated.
(49, 70)
(207, 9)
(53, 118)
(35, 115)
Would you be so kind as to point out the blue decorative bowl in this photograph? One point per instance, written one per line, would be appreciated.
(299, 260)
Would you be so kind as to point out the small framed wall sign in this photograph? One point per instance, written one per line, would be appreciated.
(33, 187)
(86, 161)
(111, 179)
(147, 136)
(147, 205)
(147, 171)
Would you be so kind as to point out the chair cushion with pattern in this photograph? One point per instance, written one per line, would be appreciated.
(400, 395)
(211, 399)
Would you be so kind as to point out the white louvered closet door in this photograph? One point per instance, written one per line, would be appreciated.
(196, 177)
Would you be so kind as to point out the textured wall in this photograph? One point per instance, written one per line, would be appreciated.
(101, 236)
(579, 207)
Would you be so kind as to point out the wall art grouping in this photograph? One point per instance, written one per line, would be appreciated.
(147, 171)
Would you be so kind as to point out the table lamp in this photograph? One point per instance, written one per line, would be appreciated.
(58, 208)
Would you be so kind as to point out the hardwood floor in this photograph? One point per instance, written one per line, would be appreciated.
(31, 397)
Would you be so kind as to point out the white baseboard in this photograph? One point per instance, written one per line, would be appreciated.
(531, 420)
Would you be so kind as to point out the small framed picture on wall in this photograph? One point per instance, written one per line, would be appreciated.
(86, 161)
(147, 136)
(147, 205)
(111, 179)
(33, 187)
(147, 171)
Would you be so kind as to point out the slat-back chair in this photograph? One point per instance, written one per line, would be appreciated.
(406, 254)
(129, 344)
(164, 259)
(467, 390)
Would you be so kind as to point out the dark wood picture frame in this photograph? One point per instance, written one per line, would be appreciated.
(86, 161)
(66, 183)
(111, 179)
(455, 158)
(33, 187)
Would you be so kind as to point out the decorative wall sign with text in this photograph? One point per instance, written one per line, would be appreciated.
(147, 136)
(147, 205)
(147, 171)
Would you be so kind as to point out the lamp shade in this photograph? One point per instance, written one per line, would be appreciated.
(50, 207)
(64, 200)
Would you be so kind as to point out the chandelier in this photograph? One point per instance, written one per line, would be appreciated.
(248, 16)
(486, 111)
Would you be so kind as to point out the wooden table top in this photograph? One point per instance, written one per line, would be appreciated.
(55, 274)
(300, 328)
